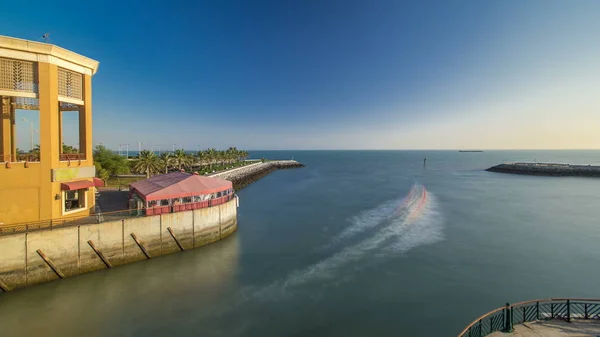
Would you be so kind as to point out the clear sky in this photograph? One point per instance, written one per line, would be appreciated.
(317, 74)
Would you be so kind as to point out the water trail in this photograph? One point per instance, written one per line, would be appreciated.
(376, 216)
(418, 211)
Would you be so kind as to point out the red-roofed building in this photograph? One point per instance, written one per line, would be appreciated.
(179, 191)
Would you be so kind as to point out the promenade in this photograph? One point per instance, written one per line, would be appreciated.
(555, 328)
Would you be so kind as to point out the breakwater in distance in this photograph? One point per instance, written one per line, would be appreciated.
(243, 176)
(547, 169)
(45, 255)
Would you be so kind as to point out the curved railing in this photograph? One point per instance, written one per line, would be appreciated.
(503, 319)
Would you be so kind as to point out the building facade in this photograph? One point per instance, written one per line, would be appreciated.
(53, 181)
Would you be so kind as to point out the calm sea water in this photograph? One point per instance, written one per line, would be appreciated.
(329, 250)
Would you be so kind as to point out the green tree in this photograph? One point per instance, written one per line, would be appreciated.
(212, 157)
(202, 157)
(110, 161)
(147, 163)
(69, 149)
(181, 158)
(165, 160)
(103, 174)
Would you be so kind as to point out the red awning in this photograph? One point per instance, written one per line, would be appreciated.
(98, 182)
(76, 185)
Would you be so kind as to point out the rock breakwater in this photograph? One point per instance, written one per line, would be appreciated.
(547, 169)
(243, 176)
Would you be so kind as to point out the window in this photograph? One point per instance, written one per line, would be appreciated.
(186, 199)
(74, 200)
(152, 203)
(164, 202)
(197, 198)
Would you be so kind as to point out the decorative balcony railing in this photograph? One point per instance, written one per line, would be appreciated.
(20, 158)
(71, 156)
(504, 318)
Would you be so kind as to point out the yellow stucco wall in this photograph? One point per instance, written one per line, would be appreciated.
(20, 193)
(27, 194)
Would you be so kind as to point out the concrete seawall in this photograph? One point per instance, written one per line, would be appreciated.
(47, 255)
(547, 169)
(243, 176)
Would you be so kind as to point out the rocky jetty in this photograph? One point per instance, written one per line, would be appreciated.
(243, 176)
(548, 169)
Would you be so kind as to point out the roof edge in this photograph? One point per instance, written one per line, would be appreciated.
(41, 48)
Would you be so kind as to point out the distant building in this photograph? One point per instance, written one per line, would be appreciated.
(45, 184)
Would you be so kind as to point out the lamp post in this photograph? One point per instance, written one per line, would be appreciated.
(174, 147)
(139, 147)
(31, 131)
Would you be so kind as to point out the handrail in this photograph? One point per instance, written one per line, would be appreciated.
(71, 156)
(76, 220)
(509, 310)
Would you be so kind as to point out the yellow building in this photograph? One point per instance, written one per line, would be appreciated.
(45, 184)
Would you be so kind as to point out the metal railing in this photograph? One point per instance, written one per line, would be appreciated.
(71, 156)
(71, 221)
(504, 318)
(103, 217)
(20, 158)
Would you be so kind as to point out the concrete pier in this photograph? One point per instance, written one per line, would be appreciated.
(547, 169)
(241, 177)
(588, 328)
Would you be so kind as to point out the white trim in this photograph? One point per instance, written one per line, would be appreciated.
(70, 100)
(18, 94)
(71, 66)
(85, 205)
(33, 57)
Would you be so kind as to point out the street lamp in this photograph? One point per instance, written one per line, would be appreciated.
(139, 147)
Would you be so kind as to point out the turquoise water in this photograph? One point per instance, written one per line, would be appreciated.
(340, 248)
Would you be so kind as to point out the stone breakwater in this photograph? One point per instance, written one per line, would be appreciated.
(547, 169)
(242, 177)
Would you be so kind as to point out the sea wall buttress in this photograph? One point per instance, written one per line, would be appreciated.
(46, 255)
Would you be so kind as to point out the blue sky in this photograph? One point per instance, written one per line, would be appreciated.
(322, 74)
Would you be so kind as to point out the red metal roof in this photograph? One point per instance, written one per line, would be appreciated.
(76, 185)
(177, 185)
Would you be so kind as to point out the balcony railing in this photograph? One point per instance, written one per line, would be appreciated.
(20, 158)
(504, 318)
(71, 156)
(108, 216)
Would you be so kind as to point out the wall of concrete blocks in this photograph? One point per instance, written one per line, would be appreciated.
(46, 255)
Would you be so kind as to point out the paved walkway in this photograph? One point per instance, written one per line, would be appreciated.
(111, 199)
(587, 328)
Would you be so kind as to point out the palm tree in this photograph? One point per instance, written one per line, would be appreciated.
(211, 156)
(69, 149)
(148, 163)
(202, 157)
(103, 174)
(181, 158)
(165, 160)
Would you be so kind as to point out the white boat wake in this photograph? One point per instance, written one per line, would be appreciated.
(413, 223)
